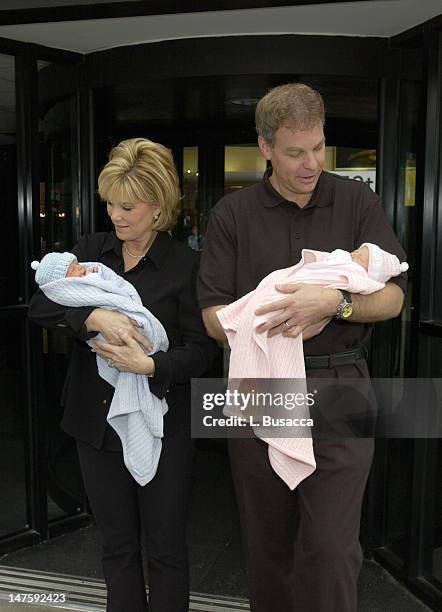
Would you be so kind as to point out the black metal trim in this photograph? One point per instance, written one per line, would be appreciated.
(87, 157)
(239, 55)
(14, 312)
(17, 540)
(421, 587)
(413, 36)
(431, 328)
(28, 198)
(431, 219)
(385, 337)
(420, 544)
(141, 8)
(68, 523)
(210, 180)
(50, 54)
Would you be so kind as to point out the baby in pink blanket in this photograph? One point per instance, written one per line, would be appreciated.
(256, 355)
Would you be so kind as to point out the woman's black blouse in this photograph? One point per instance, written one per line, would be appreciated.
(165, 280)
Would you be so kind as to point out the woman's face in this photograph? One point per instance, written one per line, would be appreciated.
(132, 220)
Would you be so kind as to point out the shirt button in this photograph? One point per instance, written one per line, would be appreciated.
(104, 402)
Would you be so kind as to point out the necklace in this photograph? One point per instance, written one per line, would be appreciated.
(139, 256)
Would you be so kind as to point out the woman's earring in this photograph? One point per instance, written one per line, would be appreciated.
(156, 216)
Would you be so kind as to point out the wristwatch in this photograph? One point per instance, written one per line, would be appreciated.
(345, 308)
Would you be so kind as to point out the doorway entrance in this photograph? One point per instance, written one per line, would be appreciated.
(201, 105)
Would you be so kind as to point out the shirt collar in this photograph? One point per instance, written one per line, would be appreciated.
(157, 252)
(323, 194)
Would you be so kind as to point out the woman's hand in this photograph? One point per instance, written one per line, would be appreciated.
(129, 357)
(110, 322)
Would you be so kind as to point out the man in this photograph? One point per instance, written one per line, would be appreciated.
(310, 564)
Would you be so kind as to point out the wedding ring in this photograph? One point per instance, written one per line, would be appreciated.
(110, 363)
(287, 325)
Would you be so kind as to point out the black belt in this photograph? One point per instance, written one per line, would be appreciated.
(335, 359)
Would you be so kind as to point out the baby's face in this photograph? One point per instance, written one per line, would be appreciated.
(75, 270)
(361, 256)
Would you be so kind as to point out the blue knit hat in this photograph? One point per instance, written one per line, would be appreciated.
(52, 267)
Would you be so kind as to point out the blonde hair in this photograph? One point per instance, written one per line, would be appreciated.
(140, 170)
(294, 105)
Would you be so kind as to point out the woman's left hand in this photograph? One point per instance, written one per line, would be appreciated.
(129, 357)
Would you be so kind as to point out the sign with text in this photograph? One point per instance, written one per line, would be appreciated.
(365, 176)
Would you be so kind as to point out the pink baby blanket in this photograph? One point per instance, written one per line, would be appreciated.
(255, 355)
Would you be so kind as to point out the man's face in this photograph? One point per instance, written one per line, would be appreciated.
(297, 158)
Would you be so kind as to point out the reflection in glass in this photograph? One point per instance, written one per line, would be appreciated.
(407, 213)
(399, 475)
(9, 278)
(60, 230)
(437, 531)
(12, 433)
(190, 217)
(59, 205)
(243, 166)
(430, 363)
(350, 162)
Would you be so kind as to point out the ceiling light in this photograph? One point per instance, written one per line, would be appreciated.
(244, 101)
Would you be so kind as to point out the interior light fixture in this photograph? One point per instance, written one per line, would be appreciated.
(243, 101)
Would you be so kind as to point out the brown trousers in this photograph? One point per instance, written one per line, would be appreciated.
(302, 547)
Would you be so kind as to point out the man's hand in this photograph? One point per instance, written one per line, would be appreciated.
(307, 309)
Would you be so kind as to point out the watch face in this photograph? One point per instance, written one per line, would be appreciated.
(347, 311)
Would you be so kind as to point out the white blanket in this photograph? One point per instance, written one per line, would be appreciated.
(135, 413)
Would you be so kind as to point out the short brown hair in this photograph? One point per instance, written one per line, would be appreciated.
(140, 170)
(295, 105)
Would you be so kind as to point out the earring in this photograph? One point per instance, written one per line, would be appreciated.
(156, 216)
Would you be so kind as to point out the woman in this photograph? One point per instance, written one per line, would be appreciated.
(140, 186)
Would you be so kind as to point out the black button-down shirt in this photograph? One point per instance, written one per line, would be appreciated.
(165, 280)
(255, 231)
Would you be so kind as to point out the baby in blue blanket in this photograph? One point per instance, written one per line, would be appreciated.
(135, 412)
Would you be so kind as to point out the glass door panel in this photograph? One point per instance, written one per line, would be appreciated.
(191, 230)
(243, 166)
(398, 470)
(60, 230)
(353, 163)
(13, 436)
(9, 276)
(430, 363)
